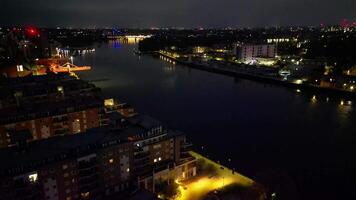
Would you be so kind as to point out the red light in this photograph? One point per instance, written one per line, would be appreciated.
(344, 23)
(32, 31)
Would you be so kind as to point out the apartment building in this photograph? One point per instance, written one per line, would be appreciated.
(81, 166)
(44, 120)
(17, 92)
(104, 161)
(160, 154)
(47, 106)
(248, 52)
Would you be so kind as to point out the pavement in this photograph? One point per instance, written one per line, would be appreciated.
(202, 185)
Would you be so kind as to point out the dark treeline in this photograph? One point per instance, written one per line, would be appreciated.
(160, 42)
(339, 52)
(337, 48)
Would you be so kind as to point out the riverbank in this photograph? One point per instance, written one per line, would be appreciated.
(295, 84)
(260, 126)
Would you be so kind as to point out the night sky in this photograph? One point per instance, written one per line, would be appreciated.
(178, 13)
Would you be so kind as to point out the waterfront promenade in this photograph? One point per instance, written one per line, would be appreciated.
(214, 183)
(239, 71)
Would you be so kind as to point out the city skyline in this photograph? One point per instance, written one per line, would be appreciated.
(189, 14)
(177, 100)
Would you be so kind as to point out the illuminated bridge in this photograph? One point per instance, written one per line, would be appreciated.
(130, 38)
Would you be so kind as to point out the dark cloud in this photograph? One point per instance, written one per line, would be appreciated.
(184, 13)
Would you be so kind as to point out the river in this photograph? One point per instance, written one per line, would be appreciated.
(301, 145)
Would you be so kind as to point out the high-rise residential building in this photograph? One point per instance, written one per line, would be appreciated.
(81, 166)
(248, 52)
(160, 154)
(103, 162)
(47, 106)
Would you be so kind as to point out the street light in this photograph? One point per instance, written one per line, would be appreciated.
(71, 59)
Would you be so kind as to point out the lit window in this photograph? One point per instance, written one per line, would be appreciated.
(33, 177)
(19, 68)
(60, 89)
(109, 102)
(85, 194)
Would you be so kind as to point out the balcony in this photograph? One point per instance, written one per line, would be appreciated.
(186, 159)
(87, 172)
(141, 155)
(185, 148)
(144, 170)
(60, 126)
(89, 187)
(59, 119)
(141, 166)
(87, 165)
(141, 162)
(61, 131)
(187, 145)
(87, 180)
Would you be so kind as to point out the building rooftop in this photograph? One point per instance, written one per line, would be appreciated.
(30, 156)
(45, 109)
(35, 79)
(37, 153)
(145, 121)
(42, 85)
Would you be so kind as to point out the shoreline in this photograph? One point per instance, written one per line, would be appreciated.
(262, 79)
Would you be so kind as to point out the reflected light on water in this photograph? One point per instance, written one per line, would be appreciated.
(343, 110)
(314, 99)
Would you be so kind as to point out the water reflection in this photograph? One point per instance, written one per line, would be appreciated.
(261, 125)
(168, 60)
(77, 51)
(170, 67)
(344, 108)
(314, 99)
(116, 44)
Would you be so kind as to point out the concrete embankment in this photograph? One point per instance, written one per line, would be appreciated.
(264, 79)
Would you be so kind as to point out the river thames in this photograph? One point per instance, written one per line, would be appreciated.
(301, 145)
